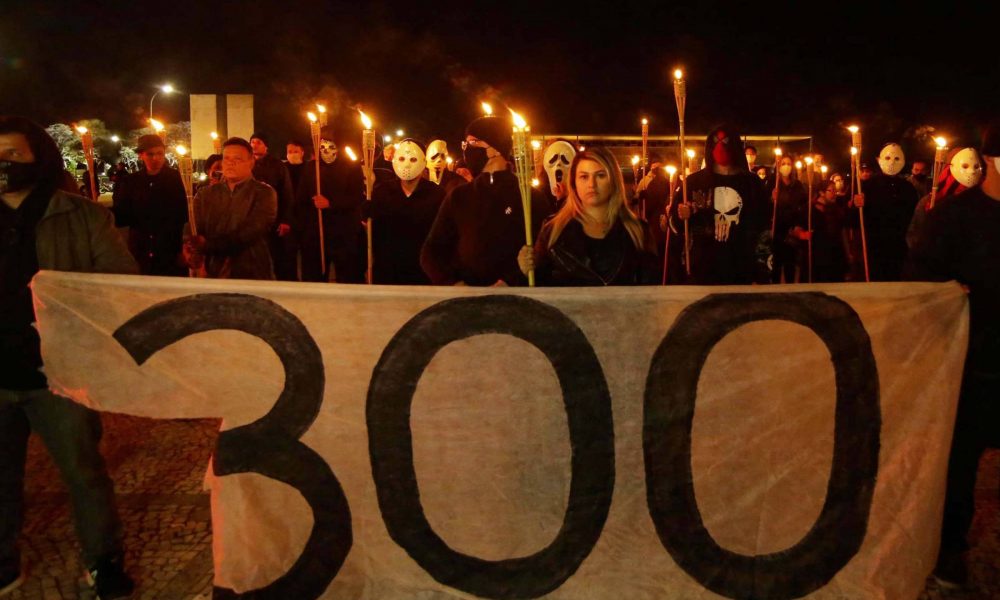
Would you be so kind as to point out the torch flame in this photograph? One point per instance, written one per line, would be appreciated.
(823, 169)
(487, 109)
(645, 121)
(777, 151)
(690, 153)
(941, 142)
(214, 135)
(854, 150)
(365, 120)
(157, 126)
(853, 128)
(671, 170)
(448, 160)
(81, 129)
(312, 116)
(534, 182)
(536, 144)
(809, 160)
(798, 164)
(635, 160)
(350, 153)
(519, 121)
(678, 74)
(321, 108)
(181, 150)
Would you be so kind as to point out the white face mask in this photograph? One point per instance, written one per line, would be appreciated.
(437, 155)
(408, 161)
(785, 170)
(328, 151)
(966, 167)
(556, 161)
(891, 159)
(838, 184)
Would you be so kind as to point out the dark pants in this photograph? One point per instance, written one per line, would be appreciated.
(71, 434)
(283, 255)
(784, 262)
(977, 428)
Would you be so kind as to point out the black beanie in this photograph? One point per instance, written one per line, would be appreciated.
(991, 140)
(494, 131)
(260, 136)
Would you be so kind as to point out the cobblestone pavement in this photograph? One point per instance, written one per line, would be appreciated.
(158, 467)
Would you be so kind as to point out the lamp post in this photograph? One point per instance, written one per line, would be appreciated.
(166, 89)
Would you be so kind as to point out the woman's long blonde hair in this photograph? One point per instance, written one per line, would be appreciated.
(618, 208)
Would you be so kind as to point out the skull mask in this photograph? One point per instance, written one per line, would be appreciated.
(556, 160)
(408, 161)
(328, 151)
(437, 154)
(891, 159)
(966, 168)
(728, 205)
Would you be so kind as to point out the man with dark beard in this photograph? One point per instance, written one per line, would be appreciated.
(341, 194)
(727, 214)
(480, 226)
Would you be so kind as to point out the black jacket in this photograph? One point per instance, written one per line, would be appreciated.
(575, 259)
(344, 186)
(889, 204)
(154, 208)
(274, 173)
(399, 227)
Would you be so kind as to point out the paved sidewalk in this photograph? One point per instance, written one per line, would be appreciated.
(158, 467)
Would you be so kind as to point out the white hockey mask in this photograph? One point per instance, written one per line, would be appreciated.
(728, 205)
(408, 161)
(966, 167)
(328, 151)
(437, 155)
(891, 159)
(556, 160)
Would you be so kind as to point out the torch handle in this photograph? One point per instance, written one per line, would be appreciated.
(809, 222)
(319, 217)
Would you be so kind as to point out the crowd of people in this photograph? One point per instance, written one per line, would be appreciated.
(437, 221)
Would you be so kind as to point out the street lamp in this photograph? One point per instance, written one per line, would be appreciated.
(166, 89)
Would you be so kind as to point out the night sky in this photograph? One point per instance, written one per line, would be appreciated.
(583, 68)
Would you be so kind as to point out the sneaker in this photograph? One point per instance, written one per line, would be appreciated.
(950, 571)
(109, 580)
(11, 582)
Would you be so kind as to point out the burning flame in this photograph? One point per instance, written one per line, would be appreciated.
(854, 150)
(157, 126)
(536, 144)
(941, 142)
(823, 169)
(81, 129)
(448, 160)
(365, 120)
(671, 170)
(645, 121)
(690, 153)
(534, 182)
(312, 117)
(777, 151)
(853, 128)
(809, 160)
(635, 160)
(678, 74)
(214, 135)
(487, 109)
(798, 164)
(321, 108)
(350, 153)
(181, 150)
(519, 121)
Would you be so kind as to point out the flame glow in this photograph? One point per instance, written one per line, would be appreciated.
(321, 108)
(81, 129)
(645, 121)
(312, 117)
(678, 74)
(854, 150)
(181, 150)
(823, 169)
(635, 160)
(448, 160)
(809, 160)
(941, 142)
(777, 151)
(535, 182)
(690, 153)
(365, 120)
(671, 170)
(157, 126)
(214, 135)
(519, 121)
(535, 144)
(350, 153)
(487, 109)
(853, 128)
(798, 164)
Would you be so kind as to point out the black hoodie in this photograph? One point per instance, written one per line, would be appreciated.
(732, 260)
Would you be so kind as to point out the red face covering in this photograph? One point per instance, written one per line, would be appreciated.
(721, 152)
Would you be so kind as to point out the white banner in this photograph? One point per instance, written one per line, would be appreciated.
(418, 442)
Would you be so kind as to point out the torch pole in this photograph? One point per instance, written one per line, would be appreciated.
(680, 97)
(314, 130)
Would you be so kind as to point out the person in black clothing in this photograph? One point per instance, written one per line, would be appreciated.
(888, 200)
(480, 226)
(152, 203)
(789, 222)
(654, 195)
(43, 227)
(295, 158)
(270, 170)
(595, 239)
(342, 190)
(728, 214)
(829, 242)
(961, 241)
(402, 213)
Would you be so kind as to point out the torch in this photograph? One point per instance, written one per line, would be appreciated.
(87, 139)
(680, 97)
(856, 160)
(809, 214)
(635, 178)
(691, 164)
(671, 171)
(645, 146)
(322, 114)
(777, 179)
(536, 157)
(368, 168)
(487, 109)
(186, 168)
(939, 158)
(159, 129)
(216, 143)
(522, 163)
(315, 131)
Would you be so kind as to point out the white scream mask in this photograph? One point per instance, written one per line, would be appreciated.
(437, 154)
(328, 151)
(891, 159)
(966, 167)
(556, 160)
(728, 206)
(408, 161)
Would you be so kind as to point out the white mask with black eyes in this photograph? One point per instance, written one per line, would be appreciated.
(891, 159)
(408, 161)
(437, 156)
(328, 151)
(556, 161)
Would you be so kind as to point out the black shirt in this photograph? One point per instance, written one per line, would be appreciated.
(399, 227)
(20, 349)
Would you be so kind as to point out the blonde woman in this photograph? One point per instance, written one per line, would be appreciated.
(594, 239)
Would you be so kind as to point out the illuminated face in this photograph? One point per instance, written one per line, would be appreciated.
(919, 168)
(437, 157)
(408, 161)
(891, 159)
(259, 147)
(593, 183)
(295, 154)
(328, 151)
(237, 164)
(154, 159)
(751, 158)
(838, 183)
(966, 167)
